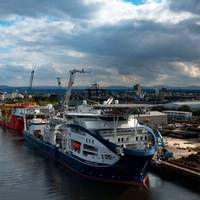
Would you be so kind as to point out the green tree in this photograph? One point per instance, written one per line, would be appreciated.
(184, 108)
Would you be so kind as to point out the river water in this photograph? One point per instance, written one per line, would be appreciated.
(27, 175)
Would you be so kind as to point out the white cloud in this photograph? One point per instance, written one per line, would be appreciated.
(115, 11)
(189, 69)
(34, 29)
(75, 54)
(124, 43)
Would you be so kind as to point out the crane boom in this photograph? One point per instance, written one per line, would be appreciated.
(70, 84)
(31, 80)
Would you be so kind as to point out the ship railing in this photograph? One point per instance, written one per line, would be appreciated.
(122, 131)
(138, 145)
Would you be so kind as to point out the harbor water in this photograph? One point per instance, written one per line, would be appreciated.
(26, 174)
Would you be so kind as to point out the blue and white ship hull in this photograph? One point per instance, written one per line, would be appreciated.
(131, 168)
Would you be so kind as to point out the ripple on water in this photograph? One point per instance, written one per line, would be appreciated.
(27, 175)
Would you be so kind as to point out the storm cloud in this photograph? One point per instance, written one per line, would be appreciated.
(153, 43)
(37, 8)
(192, 6)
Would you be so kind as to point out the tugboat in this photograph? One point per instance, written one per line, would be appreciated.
(12, 115)
(17, 116)
(103, 142)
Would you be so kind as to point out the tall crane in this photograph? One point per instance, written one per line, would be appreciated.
(59, 82)
(31, 81)
(70, 84)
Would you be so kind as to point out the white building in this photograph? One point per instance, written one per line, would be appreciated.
(2, 96)
(174, 115)
(153, 118)
(8, 96)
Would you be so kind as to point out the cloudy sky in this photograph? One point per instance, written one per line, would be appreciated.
(122, 42)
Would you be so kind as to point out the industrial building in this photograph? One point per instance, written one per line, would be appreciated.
(174, 115)
(153, 118)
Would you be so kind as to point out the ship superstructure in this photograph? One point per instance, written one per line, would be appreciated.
(102, 146)
(12, 115)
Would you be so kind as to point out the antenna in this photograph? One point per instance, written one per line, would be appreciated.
(70, 84)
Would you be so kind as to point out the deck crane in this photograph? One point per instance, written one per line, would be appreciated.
(69, 87)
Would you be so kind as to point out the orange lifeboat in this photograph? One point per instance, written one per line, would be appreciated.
(75, 145)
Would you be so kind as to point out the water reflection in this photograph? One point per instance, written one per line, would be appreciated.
(25, 174)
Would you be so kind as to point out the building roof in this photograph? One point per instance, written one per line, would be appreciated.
(181, 103)
(176, 111)
(153, 113)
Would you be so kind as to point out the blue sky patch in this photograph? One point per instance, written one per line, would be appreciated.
(136, 2)
(4, 49)
(5, 22)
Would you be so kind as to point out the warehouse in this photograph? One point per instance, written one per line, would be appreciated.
(174, 115)
(153, 118)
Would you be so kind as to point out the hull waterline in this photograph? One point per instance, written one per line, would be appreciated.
(112, 174)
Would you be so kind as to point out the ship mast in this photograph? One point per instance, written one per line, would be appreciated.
(69, 87)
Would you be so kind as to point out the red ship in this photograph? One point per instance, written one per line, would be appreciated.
(13, 116)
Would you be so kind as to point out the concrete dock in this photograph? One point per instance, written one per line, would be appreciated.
(185, 163)
(166, 167)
